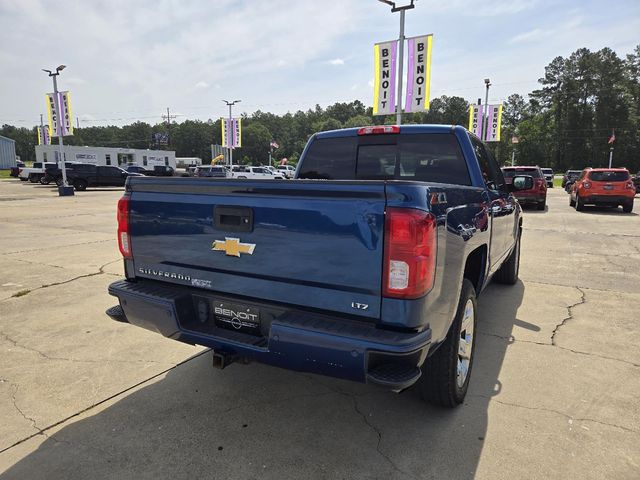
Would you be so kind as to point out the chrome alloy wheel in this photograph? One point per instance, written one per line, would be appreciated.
(465, 344)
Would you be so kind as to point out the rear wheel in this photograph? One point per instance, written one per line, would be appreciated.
(579, 203)
(628, 207)
(446, 373)
(33, 178)
(572, 202)
(45, 180)
(80, 185)
(508, 272)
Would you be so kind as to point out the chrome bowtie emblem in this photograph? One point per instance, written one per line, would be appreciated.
(233, 247)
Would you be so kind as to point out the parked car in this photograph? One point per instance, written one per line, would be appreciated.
(537, 193)
(255, 173)
(548, 176)
(372, 278)
(34, 173)
(136, 169)
(86, 175)
(287, 170)
(161, 171)
(569, 177)
(53, 172)
(636, 182)
(608, 187)
(15, 171)
(217, 171)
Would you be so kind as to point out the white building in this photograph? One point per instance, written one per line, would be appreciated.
(107, 155)
(184, 162)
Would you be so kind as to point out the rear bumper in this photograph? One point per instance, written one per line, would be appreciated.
(531, 197)
(296, 340)
(606, 199)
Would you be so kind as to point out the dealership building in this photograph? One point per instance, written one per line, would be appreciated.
(107, 155)
(7, 153)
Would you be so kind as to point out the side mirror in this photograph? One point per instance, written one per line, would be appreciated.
(521, 182)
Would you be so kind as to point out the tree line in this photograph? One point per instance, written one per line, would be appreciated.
(564, 124)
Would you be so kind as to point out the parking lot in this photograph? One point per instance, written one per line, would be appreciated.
(555, 391)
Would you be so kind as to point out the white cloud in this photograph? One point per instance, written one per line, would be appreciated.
(530, 36)
(202, 84)
(336, 62)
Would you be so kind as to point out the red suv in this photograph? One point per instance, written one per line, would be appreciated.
(603, 186)
(537, 194)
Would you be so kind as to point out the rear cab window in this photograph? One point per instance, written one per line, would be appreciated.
(609, 176)
(429, 157)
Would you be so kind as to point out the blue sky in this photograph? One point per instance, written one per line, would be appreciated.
(129, 60)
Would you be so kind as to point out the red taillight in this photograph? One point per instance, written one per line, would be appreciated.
(410, 253)
(379, 129)
(586, 185)
(124, 242)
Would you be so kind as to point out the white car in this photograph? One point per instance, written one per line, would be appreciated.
(255, 173)
(287, 170)
(35, 173)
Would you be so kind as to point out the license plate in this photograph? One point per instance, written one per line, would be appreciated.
(608, 187)
(236, 317)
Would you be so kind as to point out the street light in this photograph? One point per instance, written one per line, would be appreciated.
(64, 190)
(485, 115)
(230, 104)
(401, 9)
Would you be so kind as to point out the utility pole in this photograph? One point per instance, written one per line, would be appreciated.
(230, 104)
(610, 157)
(64, 190)
(401, 39)
(485, 113)
(168, 117)
(77, 122)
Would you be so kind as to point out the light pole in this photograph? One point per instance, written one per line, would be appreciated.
(64, 190)
(230, 104)
(485, 114)
(610, 157)
(400, 9)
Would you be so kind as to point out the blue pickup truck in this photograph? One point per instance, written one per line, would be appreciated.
(365, 267)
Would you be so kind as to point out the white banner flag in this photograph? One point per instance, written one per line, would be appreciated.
(384, 83)
(494, 119)
(418, 73)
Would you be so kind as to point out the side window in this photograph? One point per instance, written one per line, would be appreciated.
(144, 160)
(493, 178)
(108, 159)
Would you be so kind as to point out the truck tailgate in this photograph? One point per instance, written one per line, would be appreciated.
(306, 243)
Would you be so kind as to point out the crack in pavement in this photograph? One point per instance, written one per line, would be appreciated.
(19, 410)
(512, 339)
(570, 308)
(550, 410)
(96, 404)
(40, 353)
(86, 275)
(365, 419)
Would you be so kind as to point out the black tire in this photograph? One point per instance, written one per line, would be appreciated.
(439, 382)
(579, 204)
(542, 205)
(572, 202)
(23, 179)
(45, 180)
(628, 207)
(508, 272)
(33, 178)
(80, 185)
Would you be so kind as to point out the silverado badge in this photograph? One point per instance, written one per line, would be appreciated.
(233, 247)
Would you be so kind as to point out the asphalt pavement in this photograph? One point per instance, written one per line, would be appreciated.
(555, 391)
